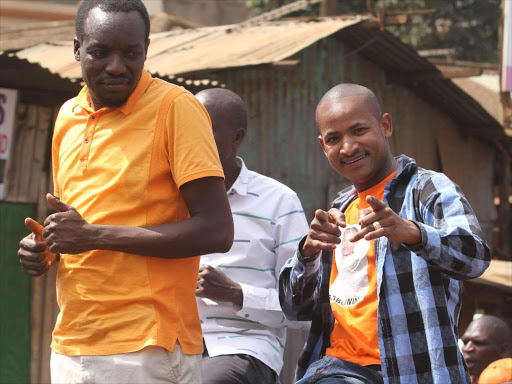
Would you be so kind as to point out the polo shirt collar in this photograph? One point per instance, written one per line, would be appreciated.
(241, 182)
(83, 100)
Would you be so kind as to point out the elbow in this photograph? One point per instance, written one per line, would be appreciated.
(226, 239)
(224, 234)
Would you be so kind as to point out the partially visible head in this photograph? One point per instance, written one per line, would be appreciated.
(354, 133)
(229, 120)
(347, 247)
(486, 339)
(112, 38)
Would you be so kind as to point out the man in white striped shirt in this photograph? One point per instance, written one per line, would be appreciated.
(244, 329)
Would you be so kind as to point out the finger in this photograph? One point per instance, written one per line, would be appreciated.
(375, 234)
(36, 273)
(369, 219)
(34, 266)
(364, 212)
(322, 246)
(323, 217)
(325, 227)
(337, 216)
(361, 234)
(31, 256)
(34, 227)
(32, 245)
(375, 203)
(324, 237)
(57, 204)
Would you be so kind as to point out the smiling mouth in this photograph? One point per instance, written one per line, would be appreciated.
(115, 82)
(353, 159)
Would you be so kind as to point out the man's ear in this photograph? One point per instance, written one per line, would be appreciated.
(147, 46)
(322, 144)
(76, 48)
(239, 137)
(386, 124)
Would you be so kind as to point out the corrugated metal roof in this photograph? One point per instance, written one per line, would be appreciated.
(193, 50)
(199, 52)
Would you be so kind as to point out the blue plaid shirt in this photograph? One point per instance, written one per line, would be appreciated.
(419, 288)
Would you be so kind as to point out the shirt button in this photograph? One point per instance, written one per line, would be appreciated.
(86, 140)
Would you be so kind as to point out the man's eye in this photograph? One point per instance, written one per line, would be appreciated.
(132, 54)
(332, 139)
(359, 131)
(97, 54)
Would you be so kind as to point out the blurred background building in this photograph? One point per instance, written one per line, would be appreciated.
(434, 64)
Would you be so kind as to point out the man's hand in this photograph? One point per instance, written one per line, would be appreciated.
(35, 257)
(324, 232)
(380, 220)
(213, 284)
(66, 231)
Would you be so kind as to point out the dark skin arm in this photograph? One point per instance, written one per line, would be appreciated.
(213, 284)
(208, 230)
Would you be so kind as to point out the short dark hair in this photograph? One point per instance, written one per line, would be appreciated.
(109, 6)
(341, 91)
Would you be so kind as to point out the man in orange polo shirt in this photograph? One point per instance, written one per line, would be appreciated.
(139, 194)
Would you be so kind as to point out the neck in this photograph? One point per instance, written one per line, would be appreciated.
(389, 167)
(231, 172)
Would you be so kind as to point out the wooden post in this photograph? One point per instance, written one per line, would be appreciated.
(504, 155)
(328, 8)
(504, 207)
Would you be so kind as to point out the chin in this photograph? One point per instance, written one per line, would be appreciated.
(114, 102)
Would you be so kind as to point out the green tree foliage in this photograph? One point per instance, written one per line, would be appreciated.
(468, 27)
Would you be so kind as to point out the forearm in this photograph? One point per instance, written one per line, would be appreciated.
(299, 287)
(262, 305)
(192, 237)
(458, 252)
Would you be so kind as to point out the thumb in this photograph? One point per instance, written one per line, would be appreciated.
(337, 216)
(35, 228)
(56, 204)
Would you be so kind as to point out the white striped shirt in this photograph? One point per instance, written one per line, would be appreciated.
(269, 223)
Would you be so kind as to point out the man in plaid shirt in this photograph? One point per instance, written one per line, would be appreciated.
(387, 308)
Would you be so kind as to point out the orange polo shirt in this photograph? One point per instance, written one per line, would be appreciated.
(124, 166)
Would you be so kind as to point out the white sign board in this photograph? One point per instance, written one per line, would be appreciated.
(8, 98)
(506, 78)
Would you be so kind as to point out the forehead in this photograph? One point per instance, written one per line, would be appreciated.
(109, 28)
(476, 330)
(344, 109)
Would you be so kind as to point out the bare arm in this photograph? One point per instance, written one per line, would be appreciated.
(208, 230)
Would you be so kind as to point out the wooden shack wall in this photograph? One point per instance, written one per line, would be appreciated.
(29, 180)
(282, 139)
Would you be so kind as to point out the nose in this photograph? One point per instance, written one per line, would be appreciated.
(349, 147)
(468, 347)
(116, 65)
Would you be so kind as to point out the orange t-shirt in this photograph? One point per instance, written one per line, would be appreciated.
(353, 289)
(124, 166)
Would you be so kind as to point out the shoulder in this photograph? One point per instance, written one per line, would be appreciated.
(163, 87)
(67, 108)
(264, 183)
(430, 181)
(64, 115)
(428, 186)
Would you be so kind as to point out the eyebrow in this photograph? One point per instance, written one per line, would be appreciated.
(353, 126)
(101, 45)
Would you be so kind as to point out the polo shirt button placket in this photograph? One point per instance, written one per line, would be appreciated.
(85, 145)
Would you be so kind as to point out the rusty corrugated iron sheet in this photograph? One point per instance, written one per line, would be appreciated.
(194, 50)
(203, 52)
